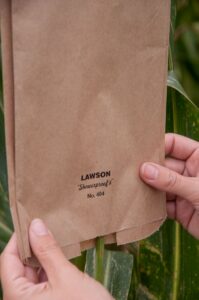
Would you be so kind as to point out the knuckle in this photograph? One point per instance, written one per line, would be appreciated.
(196, 205)
(195, 199)
(193, 163)
(194, 195)
(85, 277)
(171, 181)
(197, 151)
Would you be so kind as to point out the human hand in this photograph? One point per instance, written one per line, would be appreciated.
(62, 280)
(179, 178)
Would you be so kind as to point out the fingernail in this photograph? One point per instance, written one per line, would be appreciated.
(150, 171)
(38, 227)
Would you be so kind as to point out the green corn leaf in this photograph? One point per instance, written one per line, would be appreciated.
(187, 123)
(173, 83)
(117, 271)
(80, 261)
(172, 32)
(1, 84)
(3, 168)
(6, 227)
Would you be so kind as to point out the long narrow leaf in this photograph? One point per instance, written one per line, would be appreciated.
(173, 82)
(117, 271)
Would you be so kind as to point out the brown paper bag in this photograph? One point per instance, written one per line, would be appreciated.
(85, 87)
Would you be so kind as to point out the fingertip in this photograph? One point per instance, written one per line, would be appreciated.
(37, 227)
(46, 250)
(149, 171)
(169, 142)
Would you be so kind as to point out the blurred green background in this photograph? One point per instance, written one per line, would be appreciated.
(187, 46)
(166, 265)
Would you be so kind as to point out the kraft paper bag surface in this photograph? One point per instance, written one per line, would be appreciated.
(85, 99)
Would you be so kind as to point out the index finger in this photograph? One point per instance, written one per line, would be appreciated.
(179, 146)
(11, 265)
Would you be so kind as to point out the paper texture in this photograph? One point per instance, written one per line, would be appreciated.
(85, 90)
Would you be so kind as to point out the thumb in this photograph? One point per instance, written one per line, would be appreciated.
(167, 180)
(48, 251)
